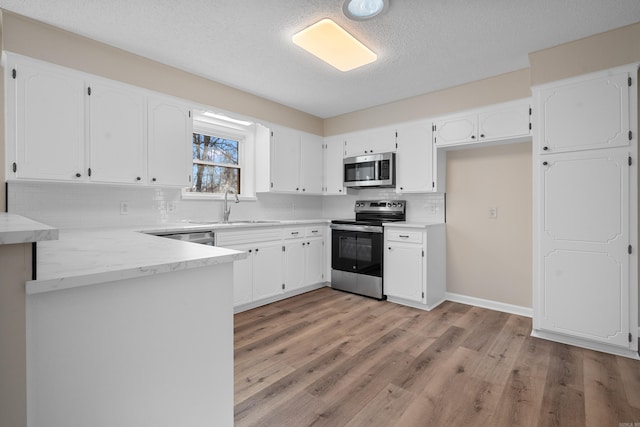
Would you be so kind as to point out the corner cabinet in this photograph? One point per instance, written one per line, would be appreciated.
(414, 272)
(296, 165)
(586, 212)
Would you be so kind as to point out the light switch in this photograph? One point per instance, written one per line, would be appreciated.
(493, 213)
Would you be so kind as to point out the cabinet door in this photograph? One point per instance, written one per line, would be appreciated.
(314, 261)
(117, 134)
(311, 163)
(591, 113)
(414, 159)
(50, 123)
(169, 144)
(267, 270)
(285, 160)
(508, 122)
(243, 277)
(370, 142)
(404, 275)
(333, 166)
(294, 267)
(584, 238)
(455, 130)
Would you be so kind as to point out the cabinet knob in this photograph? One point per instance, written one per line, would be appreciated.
(257, 250)
(544, 163)
(473, 137)
(297, 189)
(303, 243)
(365, 151)
(545, 148)
(339, 191)
(482, 135)
(153, 180)
(78, 175)
(138, 178)
(250, 250)
(304, 189)
(402, 188)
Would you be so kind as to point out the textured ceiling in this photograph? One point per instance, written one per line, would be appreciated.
(422, 45)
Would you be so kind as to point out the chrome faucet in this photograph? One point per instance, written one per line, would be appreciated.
(226, 208)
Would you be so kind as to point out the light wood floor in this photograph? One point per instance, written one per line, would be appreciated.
(328, 358)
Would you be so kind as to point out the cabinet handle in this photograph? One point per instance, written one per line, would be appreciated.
(545, 148)
(544, 163)
(404, 236)
(78, 175)
(314, 231)
(294, 233)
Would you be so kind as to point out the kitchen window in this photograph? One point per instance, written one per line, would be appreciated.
(216, 163)
(222, 154)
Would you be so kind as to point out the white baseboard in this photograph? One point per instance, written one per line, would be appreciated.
(491, 305)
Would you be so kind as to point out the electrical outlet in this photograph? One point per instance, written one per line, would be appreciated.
(493, 213)
(124, 208)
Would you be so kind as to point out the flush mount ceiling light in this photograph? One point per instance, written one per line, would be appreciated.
(361, 10)
(334, 45)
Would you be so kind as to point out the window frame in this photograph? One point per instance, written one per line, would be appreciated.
(244, 135)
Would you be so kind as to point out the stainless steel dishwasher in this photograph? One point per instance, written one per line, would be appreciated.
(205, 237)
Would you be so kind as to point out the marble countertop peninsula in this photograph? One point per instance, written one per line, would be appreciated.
(18, 229)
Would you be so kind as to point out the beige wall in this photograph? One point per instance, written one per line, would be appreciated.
(490, 258)
(41, 41)
(502, 88)
(599, 52)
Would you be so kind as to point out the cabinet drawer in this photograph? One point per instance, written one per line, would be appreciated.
(293, 233)
(408, 236)
(315, 231)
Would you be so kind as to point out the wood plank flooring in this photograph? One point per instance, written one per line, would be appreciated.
(329, 358)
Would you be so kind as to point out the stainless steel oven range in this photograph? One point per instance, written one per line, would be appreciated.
(357, 247)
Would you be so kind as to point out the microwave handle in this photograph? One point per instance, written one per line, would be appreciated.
(376, 169)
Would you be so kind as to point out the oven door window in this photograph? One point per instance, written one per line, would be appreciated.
(357, 252)
(364, 171)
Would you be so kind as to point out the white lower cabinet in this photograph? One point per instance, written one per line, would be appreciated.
(281, 262)
(414, 265)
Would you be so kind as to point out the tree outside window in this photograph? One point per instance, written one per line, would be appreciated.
(215, 164)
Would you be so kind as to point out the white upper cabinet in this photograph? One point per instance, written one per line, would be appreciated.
(499, 122)
(334, 166)
(311, 163)
(296, 161)
(374, 141)
(116, 134)
(45, 122)
(169, 142)
(414, 158)
(586, 114)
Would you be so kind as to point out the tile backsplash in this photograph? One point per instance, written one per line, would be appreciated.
(77, 205)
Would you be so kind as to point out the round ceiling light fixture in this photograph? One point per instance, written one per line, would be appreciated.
(361, 10)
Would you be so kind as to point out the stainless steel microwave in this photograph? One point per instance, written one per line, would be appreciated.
(374, 170)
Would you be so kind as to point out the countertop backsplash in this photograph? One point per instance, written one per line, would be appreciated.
(80, 205)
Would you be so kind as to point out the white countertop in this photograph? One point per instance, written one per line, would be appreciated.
(87, 257)
(406, 224)
(18, 229)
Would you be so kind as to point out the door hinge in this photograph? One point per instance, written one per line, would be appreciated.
(630, 161)
(283, 286)
(272, 185)
(396, 145)
(630, 135)
(423, 295)
(423, 253)
(89, 171)
(630, 249)
(189, 113)
(283, 248)
(396, 134)
(89, 91)
(629, 80)
(529, 125)
(630, 337)
(15, 167)
(14, 73)
(530, 110)
(189, 178)
(433, 184)
(433, 128)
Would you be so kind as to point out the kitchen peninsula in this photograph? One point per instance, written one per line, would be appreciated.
(119, 326)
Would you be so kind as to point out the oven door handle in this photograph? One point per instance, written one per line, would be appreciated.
(363, 228)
